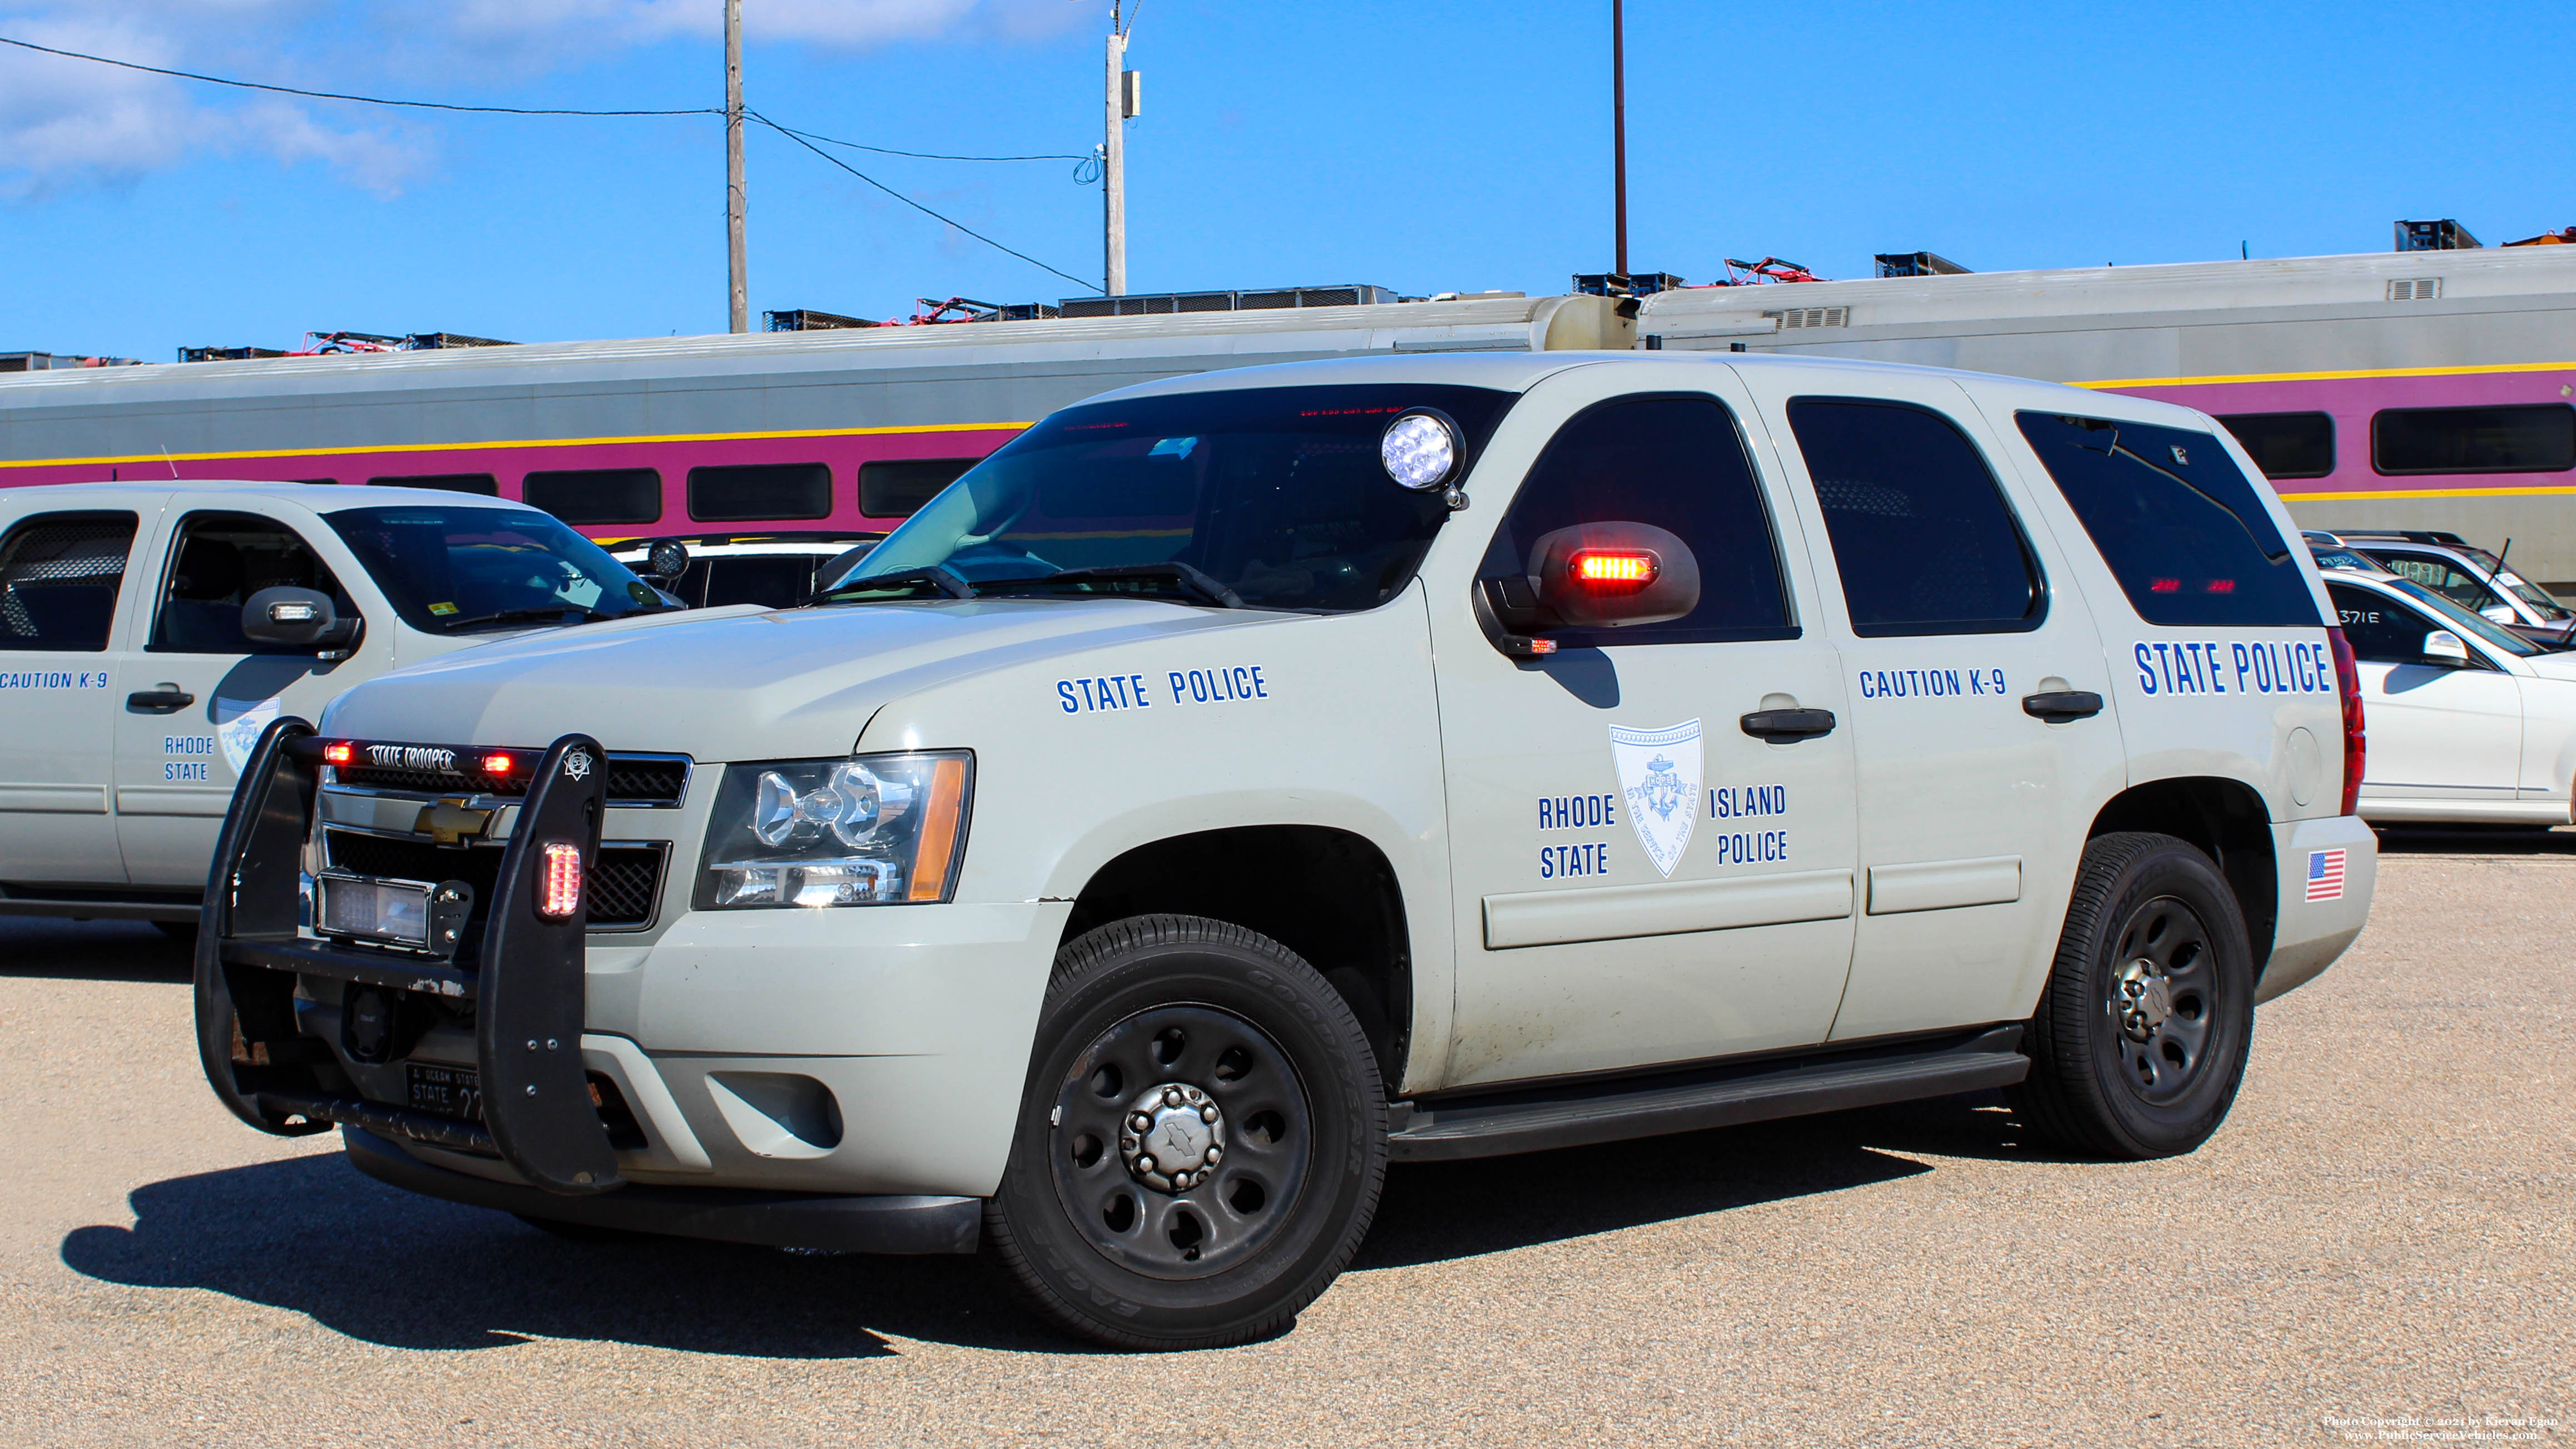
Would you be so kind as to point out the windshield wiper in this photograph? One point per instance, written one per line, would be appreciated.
(946, 580)
(1189, 580)
(560, 613)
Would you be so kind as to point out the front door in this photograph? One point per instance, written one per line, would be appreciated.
(1972, 810)
(1638, 880)
(197, 693)
(61, 577)
(2439, 730)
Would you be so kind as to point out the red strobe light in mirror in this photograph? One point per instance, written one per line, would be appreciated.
(1615, 571)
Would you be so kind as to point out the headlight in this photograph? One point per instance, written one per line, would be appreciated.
(874, 830)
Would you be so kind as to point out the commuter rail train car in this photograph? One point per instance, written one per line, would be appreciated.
(2403, 390)
(846, 430)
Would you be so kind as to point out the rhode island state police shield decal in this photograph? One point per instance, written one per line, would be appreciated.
(1659, 773)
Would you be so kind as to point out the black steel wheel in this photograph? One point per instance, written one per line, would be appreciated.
(2141, 1037)
(1200, 1144)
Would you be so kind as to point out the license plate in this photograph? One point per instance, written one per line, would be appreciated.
(445, 1091)
(368, 909)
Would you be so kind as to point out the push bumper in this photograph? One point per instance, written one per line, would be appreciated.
(899, 1225)
(525, 987)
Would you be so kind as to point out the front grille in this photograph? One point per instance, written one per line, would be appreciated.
(624, 887)
(633, 780)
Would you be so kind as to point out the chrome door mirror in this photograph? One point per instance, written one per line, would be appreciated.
(2499, 613)
(2444, 647)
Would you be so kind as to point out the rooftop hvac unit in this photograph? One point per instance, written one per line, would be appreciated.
(1626, 284)
(2434, 236)
(1918, 264)
(1167, 303)
(226, 354)
(806, 319)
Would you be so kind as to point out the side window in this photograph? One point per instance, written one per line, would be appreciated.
(1676, 463)
(2441, 576)
(483, 483)
(2531, 438)
(1921, 535)
(2177, 521)
(896, 488)
(2286, 445)
(59, 574)
(220, 561)
(2380, 630)
(748, 492)
(596, 495)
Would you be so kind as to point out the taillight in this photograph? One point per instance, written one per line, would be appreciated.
(559, 882)
(2355, 748)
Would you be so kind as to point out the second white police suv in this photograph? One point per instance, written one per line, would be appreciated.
(1238, 782)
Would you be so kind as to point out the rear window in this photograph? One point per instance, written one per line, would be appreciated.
(59, 574)
(2286, 445)
(760, 491)
(2177, 521)
(2539, 439)
(596, 495)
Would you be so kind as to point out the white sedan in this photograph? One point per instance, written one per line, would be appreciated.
(2467, 721)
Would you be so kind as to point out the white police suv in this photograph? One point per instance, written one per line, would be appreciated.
(1239, 782)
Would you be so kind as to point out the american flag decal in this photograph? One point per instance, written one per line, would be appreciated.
(2325, 875)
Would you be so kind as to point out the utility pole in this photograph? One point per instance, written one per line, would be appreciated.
(1619, 130)
(1124, 100)
(734, 200)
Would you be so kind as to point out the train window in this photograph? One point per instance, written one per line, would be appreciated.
(1922, 538)
(59, 574)
(327, 482)
(896, 488)
(483, 483)
(760, 491)
(2181, 526)
(2286, 445)
(596, 495)
(2539, 438)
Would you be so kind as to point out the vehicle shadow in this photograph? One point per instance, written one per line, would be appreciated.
(312, 1236)
(2474, 840)
(46, 948)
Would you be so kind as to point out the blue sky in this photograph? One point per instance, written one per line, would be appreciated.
(1426, 146)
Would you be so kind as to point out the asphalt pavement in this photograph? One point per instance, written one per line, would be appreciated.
(2377, 1247)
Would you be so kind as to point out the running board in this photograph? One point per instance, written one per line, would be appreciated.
(1534, 1120)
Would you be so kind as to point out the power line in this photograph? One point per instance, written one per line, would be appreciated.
(216, 80)
(800, 140)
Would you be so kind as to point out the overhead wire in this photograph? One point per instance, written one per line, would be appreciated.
(805, 139)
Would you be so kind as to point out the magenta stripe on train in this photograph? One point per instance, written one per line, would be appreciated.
(510, 464)
(2351, 401)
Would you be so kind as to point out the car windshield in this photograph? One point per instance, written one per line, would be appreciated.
(2502, 640)
(2549, 609)
(1267, 498)
(457, 569)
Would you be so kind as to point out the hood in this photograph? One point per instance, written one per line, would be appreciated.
(2561, 665)
(751, 685)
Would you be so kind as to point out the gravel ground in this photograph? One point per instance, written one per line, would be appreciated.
(2377, 1242)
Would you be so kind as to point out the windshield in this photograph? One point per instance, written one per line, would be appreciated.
(2502, 640)
(457, 569)
(1270, 497)
(2549, 609)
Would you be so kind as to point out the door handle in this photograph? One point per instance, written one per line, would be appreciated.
(160, 701)
(1788, 726)
(2060, 706)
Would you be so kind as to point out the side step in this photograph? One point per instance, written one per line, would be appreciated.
(1450, 1126)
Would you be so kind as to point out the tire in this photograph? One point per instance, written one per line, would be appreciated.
(1214, 1037)
(2141, 1037)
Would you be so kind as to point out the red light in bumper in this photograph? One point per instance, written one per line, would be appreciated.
(338, 752)
(559, 882)
(497, 766)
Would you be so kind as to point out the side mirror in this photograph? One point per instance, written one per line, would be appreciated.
(305, 618)
(2444, 647)
(1611, 575)
(2498, 613)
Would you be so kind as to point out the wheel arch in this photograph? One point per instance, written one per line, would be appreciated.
(1328, 894)
(2224, 817)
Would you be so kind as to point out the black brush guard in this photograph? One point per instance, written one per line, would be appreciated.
(527, 992)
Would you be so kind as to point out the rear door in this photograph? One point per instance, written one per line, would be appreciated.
(2438, 730)
(1972, 812)
(197, 693)
(1638, 880)
(62, 577)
